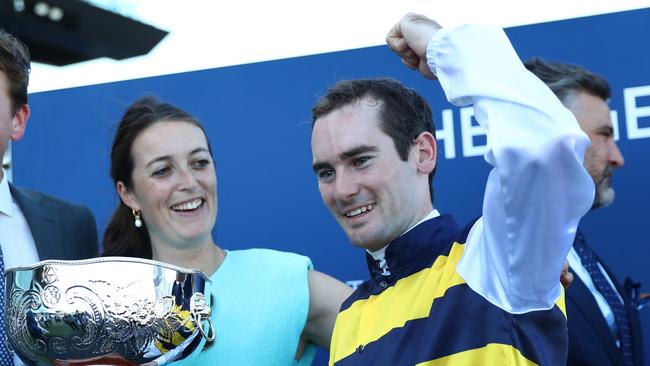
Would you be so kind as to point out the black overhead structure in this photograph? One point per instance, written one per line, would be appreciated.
(61, 32)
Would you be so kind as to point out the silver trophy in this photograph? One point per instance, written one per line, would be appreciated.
(143, 310)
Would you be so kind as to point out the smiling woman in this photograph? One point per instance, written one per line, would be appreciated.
(147, 165)
(173, 186)
(162, 166)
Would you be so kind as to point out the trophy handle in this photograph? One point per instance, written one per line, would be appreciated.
(200, 312)
(210, 336)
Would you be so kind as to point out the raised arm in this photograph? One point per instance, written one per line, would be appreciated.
(538, 189)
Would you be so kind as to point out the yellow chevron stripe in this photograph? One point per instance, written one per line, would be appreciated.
(380, 314)
(561, 302)
(491, 354)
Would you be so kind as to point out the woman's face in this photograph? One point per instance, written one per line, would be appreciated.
(174, 184)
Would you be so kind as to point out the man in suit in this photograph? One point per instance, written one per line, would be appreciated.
(33, 226)
(604, 326)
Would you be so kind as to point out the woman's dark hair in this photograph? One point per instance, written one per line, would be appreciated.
(121, 237)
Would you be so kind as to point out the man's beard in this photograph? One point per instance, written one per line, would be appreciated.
(604, 192)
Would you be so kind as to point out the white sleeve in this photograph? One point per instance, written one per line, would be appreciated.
(538, 189)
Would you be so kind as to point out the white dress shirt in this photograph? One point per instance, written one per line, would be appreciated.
(18, 247)
(16, 240)
(576, 265)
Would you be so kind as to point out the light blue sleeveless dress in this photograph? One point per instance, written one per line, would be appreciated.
(259, 310)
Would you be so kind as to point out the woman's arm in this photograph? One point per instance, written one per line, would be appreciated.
(326, 294)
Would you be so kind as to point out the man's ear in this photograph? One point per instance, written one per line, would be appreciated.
(127, 196)
(425, 149)
(19, 122)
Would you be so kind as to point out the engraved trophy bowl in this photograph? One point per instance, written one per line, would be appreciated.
(141, 310)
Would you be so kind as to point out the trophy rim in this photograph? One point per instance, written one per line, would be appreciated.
(61, 262)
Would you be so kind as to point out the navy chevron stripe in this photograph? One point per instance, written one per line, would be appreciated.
(463, 320)
(419, 248)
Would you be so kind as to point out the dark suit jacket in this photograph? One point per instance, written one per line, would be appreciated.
(61, 230)
(590, 340)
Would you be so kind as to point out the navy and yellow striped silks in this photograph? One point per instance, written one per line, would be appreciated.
(425, 314)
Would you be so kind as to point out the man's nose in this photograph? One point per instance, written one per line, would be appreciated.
(345, 186)
(616, 159)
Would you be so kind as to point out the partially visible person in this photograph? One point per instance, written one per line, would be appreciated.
(268, 307)
(604, 325)
(33, 225)
(442, 294)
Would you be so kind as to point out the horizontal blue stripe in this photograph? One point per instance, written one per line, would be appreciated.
(463, 320)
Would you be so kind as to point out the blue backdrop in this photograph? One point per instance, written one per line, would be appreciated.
(258, 119)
